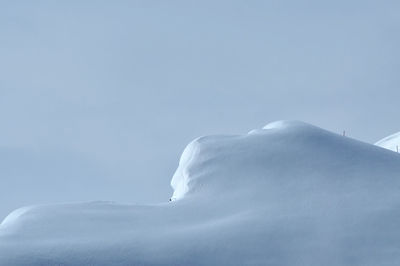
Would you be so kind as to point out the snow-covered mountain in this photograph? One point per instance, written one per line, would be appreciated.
(287, 194)
(391, 142)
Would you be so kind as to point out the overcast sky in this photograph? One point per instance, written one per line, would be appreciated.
(98, 99)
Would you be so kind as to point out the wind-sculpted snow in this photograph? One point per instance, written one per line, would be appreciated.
(391, 142)
(287, 194)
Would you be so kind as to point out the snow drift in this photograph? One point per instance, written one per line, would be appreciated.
(391, 142)
(288, 194)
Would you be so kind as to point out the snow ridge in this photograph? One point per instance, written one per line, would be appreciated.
(391, 142)
(288, 194)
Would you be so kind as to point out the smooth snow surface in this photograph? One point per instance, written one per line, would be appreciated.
(391, 142)
(288, 194)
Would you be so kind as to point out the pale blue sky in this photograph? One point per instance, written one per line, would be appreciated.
(99, 98)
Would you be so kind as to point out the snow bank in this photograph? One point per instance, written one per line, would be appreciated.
(287, 194)
(391, 142)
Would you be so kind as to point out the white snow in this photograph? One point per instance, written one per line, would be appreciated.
(180, 179)
(391, 142)
(287, 194)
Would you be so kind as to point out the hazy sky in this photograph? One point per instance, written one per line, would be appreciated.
(98, 99)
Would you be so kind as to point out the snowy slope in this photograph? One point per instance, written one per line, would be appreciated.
(288, 194)
(391, 142)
